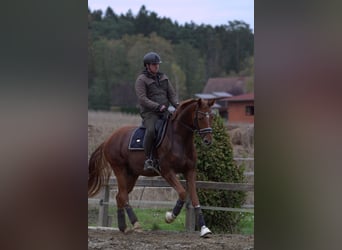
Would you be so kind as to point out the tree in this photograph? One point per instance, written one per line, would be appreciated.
(239, 41)
(190, 53)
(215, 163)
(110, 64)
(98, 96)
(248, 70)
(192, 64)
(138, 45)
(179, 81)
(97, 15)
(110, 14)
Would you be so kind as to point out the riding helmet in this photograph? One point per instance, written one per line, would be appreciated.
(151, 57)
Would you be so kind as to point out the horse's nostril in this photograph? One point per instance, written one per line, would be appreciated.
(207, 142)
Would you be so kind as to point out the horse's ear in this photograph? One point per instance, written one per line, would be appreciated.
(211, 102)
(199, 102)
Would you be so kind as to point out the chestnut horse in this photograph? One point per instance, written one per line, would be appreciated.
(176, 154)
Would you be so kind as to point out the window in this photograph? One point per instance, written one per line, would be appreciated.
(249, 110)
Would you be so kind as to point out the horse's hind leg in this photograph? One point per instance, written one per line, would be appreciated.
(125, 185)
(121, 199)
(129, 210)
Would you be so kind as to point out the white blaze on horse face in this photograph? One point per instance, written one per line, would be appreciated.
(208, 116)
(205, 129)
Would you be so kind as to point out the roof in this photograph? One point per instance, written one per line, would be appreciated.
(233, 85)
(239, 98)
(209, 96)
(205, 96)
(214, 95)
(221, 94)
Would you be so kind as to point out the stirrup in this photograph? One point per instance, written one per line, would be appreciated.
(148, 164)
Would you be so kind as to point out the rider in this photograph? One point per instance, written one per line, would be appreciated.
(155, 93)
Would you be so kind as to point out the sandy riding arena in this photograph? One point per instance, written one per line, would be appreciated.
(106, 239)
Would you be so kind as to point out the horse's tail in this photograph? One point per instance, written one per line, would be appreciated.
(99, 171)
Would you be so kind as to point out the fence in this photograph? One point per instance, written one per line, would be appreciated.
(105, 220)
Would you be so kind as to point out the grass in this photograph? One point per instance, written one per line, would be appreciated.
(149, 219)
(153, 219)
(246, 225)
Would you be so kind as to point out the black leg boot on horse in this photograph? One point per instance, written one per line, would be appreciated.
(132, 217)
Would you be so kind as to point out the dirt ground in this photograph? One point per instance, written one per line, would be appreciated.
(100, 238)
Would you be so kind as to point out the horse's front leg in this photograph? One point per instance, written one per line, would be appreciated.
(172, 179)
(191, 180)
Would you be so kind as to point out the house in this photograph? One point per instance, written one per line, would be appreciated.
(233, 85)
(215, 95)
(241, 108)
(220, 104)
(223, 88)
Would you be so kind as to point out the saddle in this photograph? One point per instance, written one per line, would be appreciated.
(136, 141)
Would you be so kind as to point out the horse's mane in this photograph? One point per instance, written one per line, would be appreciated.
(182, 106)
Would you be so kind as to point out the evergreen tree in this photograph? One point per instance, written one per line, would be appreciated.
(110, 14)
(216, 163)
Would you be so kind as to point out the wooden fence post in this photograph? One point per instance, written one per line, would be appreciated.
(104, 220)
(190, 220)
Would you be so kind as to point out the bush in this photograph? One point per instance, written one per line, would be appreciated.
(215, 163)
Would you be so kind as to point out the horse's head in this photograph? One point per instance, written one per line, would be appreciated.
(200, 119)
(203, 117)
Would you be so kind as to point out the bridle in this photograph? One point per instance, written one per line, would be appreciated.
(201, 131)
(196, 128)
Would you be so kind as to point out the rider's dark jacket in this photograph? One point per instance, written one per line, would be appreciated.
(154, 91)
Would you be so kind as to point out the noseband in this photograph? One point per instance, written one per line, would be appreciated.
(201, 131)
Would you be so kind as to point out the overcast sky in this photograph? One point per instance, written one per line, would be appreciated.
(213, 12)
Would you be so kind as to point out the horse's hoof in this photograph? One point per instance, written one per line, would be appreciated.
(123, 229)
(137, 227)
(169, 217)
(205, 232)
(128, 231)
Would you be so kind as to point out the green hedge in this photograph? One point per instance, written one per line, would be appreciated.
(215, 163)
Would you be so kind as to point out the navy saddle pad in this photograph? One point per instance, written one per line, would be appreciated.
(136, 141)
